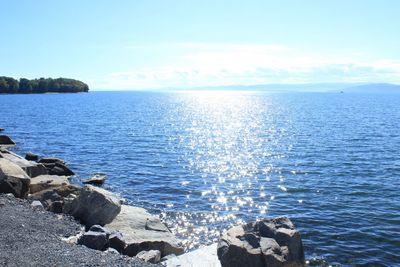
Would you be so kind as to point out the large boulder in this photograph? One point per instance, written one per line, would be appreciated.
(143, 231)
(6, 141)
(270, 242)
(95, 206)
(31, 168)
(43, 182)
(13, 179)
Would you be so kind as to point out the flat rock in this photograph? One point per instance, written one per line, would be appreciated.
(95, 206)
(97, 179)
(13, 179)
(204, 256)
(43, 182)
(131, 222)
(31, 168)
(152, 256)
(6, 141)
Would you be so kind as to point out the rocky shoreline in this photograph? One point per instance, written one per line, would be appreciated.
(94, 221)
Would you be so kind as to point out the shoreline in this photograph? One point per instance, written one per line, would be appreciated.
(111, 226)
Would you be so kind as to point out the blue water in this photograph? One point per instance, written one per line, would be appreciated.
(206, 161)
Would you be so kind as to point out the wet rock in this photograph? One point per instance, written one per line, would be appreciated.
(95, 206)
(116, 241)
(31, 157)
(1, 130)
(152, 256)
(37, 205)
(270, 242)
(94, 240)
(43, 182)
(6, 141)
(131, 222)
(13, 179)
(97, 179)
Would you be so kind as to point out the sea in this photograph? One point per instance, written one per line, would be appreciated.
(207, 160)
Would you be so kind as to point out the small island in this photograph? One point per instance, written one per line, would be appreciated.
(9, 85)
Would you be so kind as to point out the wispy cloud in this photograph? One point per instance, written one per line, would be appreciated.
(215, 64)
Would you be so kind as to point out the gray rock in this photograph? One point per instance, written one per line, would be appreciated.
(43, 182)
(152, 256)
(37, 205)
(270, 242)
(94, 240)
(6, 141)
(31, 168)
(116, 241)
(131, 222)
(51, 160)
(100, 229)
(1, 130)
(60, 169)
(95, 206)
(97, 179)
(62, 195)
(31, 157)
(112, 251)
(13, 179)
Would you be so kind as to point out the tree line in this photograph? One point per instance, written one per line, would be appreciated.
(10, 85)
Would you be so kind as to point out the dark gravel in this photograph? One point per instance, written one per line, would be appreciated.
(33, 238)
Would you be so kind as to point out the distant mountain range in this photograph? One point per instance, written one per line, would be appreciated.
(375, 88)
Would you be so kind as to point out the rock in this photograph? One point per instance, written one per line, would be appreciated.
(51, 160)
(95, 206)
(37, 205)
(152, 256)
(100, 229)
(43, 182)
(97, 179)
(60, 169)
(31, 157)
(6, 141)
(112, 251)
(116, 241)
(13, 179)
(94, 240)
(131, 222)
(203, 256)
(270, 242)
(31, 168)
(1, 130)
(52, 198)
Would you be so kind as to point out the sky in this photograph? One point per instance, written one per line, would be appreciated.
(134, 44)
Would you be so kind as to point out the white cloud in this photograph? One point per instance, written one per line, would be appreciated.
(215, 64)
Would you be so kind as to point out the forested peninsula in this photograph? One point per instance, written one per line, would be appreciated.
(10, 85)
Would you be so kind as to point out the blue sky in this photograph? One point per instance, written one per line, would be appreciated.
(129, 44)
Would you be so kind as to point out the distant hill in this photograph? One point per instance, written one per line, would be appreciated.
(376, 88)
(10, 85)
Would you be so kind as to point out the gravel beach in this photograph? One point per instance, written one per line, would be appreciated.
(34, 238)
